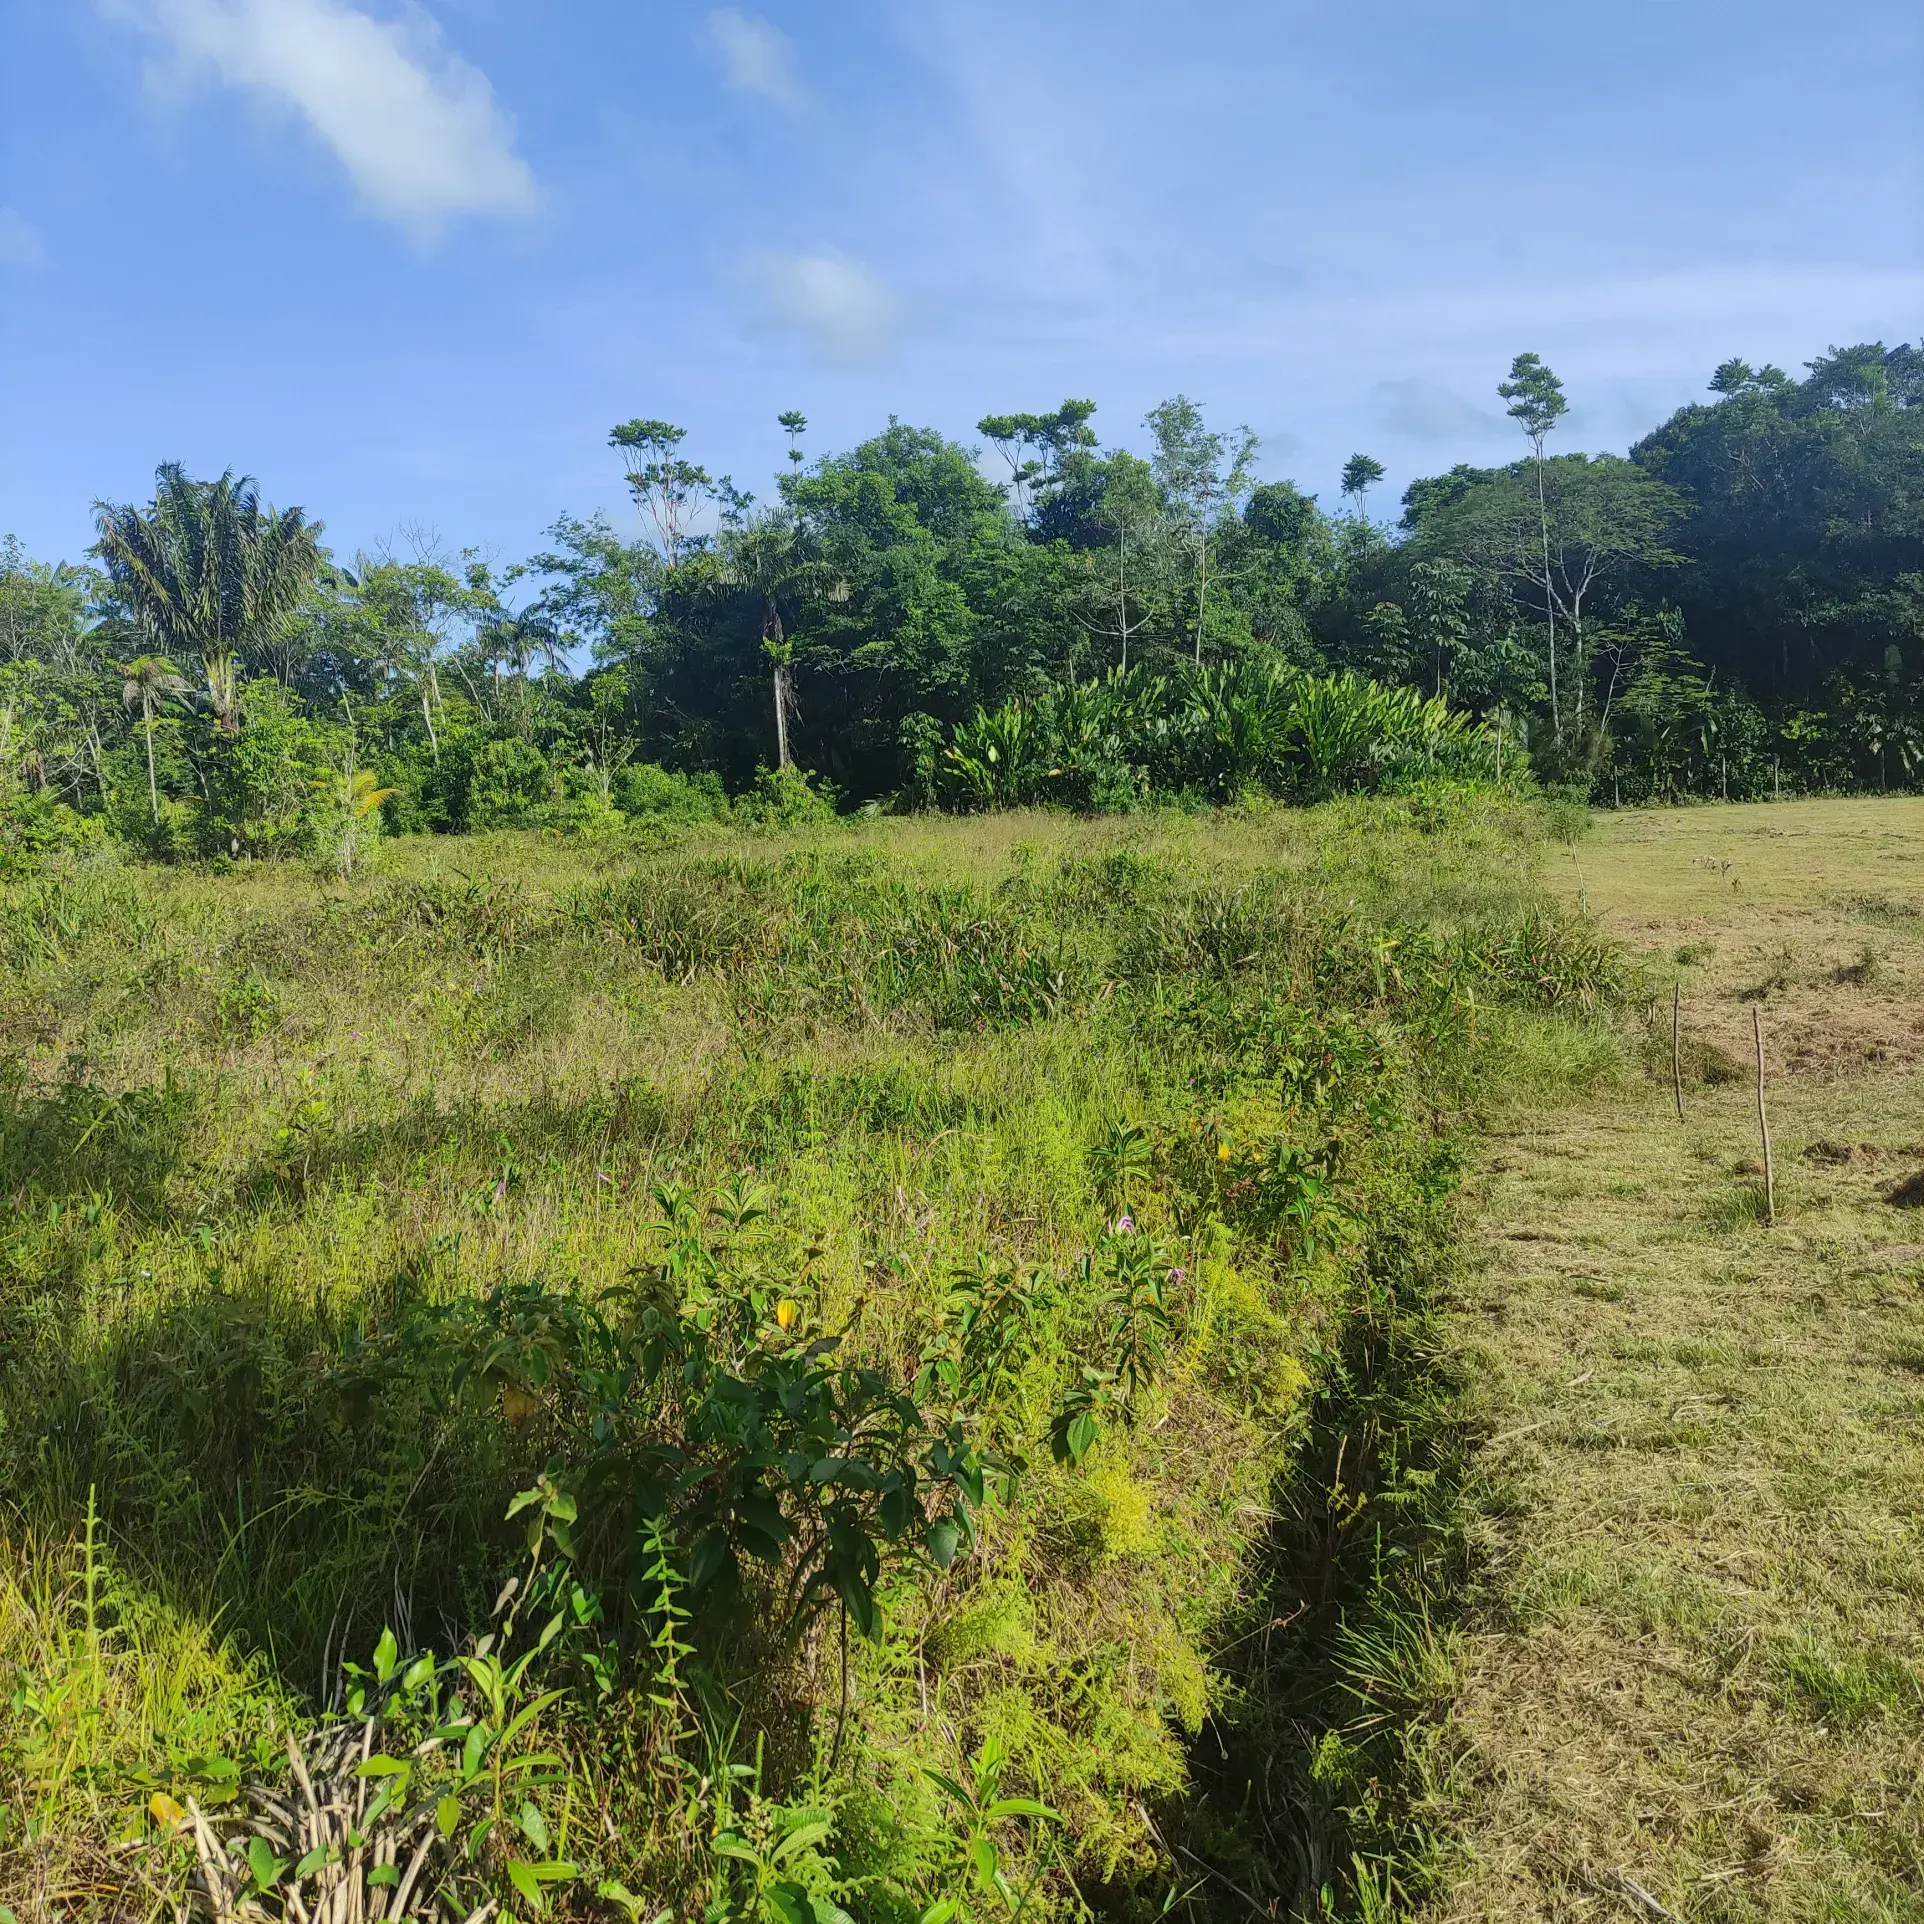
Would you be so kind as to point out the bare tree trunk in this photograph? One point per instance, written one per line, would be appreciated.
(153, 789)
(1202, 595)
(775, 640)
(1549, 601)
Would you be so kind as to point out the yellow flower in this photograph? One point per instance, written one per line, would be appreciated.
(165, 1812)
(1222, 1152)
(786, 1311)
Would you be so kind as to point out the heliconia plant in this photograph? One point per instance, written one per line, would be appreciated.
(1249, 726)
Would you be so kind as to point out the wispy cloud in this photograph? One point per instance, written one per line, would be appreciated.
(416, 127)
(757, 58)
(20, 243)
(1423, 411)
(837, 304)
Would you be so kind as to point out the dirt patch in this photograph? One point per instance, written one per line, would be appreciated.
(1908, 1194)
(1834, 1155)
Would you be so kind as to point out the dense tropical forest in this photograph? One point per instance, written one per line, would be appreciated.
(1735, 608)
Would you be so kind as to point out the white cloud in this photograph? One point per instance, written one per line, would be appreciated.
(1422, 411)
(415, 126)
(837, 303)
(20, 244)
(758, 58)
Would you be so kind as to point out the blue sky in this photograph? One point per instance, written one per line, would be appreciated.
(407, 260)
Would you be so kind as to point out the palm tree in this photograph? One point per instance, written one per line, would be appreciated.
(359, 796)
(148, 682)
(209, 571)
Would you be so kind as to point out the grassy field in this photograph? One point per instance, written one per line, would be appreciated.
(1214, 1503)
(1693, 1671)
(1098, 1566)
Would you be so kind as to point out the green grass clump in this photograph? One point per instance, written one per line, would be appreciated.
(902, 1354)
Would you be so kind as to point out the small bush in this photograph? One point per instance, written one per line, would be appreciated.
(510, 782)
(1566, 811)
(786, 798)
(644, 791)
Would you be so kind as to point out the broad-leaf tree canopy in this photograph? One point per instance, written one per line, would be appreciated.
(1736, 605)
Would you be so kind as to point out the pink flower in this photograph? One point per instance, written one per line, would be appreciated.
(1125, 1224)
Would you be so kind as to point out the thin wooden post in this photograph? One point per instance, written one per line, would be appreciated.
(1676, 1045)
(1763, 1121)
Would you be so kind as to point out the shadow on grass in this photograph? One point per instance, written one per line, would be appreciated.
(77, 1141)
(1308, 1790)
(250, 1466)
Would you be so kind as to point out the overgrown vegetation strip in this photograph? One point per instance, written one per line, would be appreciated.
(886, 1289)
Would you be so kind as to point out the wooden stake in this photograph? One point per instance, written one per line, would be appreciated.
(1763, 1121)
(1676, 1045)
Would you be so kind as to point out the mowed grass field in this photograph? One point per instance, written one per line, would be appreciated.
(1693, 1671)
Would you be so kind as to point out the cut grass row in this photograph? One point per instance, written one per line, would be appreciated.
(1693, 1668)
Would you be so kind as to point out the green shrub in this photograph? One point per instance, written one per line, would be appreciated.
(267, 782)
(510, 782)
(786, 798)
(644, 791)
(34, 828)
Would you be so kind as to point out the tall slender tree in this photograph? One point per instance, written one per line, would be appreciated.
(770, 556)
(666, 488)
(149, 681)
(1361, 472)
(1130, 510)
(1201, 474)
(1536, 405)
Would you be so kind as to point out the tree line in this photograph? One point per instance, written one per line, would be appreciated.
(1734, 607)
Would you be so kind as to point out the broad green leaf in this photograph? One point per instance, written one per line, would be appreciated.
(949, 1785)
(447, 1814)
(1018, 1807)
(534, 1827)
(803, 1837)
(267, 1869)
(522, 1877)
(789, 1904)
(982, 1856)
(384, 1874)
